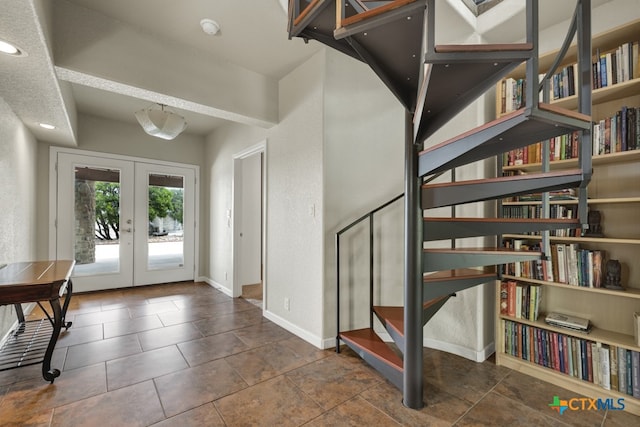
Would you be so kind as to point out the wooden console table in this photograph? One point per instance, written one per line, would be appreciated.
(33, 341)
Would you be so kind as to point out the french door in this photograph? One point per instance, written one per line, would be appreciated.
(125, 222)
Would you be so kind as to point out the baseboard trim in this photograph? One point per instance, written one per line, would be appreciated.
(296, 330)
(467, 353)
(217, 286)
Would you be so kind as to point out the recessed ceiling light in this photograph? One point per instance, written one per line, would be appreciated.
(47, 126)
(10, 49)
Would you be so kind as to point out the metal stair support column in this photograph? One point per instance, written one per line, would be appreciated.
(584, 99)
(413, 368)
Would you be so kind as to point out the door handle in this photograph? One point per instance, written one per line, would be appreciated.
(128, 230)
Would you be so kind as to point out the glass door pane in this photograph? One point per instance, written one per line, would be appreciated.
(164, 223)
(165, 211)
(97, 220)
(94, 220)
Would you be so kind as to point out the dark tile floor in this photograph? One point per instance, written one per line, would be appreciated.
(187, 355)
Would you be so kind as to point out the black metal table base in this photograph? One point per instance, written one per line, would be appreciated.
(33, 341)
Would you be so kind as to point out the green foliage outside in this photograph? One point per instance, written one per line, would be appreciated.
(107, 210)
(163, 202)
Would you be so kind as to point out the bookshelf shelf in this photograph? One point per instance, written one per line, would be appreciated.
(615, 193)
(598, 240)
(603, 94)
(627, 293)
(598, 160)
(597, 334)
(601, 201)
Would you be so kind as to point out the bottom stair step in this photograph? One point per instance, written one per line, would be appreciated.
(370, 347)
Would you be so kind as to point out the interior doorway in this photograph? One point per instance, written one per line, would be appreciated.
(249, 207)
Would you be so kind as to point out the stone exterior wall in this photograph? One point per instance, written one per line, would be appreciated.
(85, 211)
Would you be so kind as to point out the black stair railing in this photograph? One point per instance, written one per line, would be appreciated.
(368, 216)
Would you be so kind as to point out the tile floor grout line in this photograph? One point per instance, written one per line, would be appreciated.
(479, 400)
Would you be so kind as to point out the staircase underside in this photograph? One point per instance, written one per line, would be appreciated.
(515, 130)
(389, 41)
(458, 228)
(435, 82)
(456, 193)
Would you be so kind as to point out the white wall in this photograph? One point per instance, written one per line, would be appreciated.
(295, 202)
(363, 168)
(293, 161)
(217, 177)
(17, 197)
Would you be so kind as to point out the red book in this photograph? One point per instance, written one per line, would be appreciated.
(565, 348)
(555, 361)
(504, 298)
(511, 303)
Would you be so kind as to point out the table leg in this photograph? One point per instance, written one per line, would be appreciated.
(48, 373)
(67, 298)
(19, 312)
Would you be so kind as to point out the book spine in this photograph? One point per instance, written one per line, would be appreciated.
(622, 370)
(635, 368)
(629, 372)
(613, 361)
(605, 368)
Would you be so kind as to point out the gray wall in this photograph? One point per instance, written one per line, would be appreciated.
(17, 198)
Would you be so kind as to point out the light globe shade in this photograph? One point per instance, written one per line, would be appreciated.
(161, 123)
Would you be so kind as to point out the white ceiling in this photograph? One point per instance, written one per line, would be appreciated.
(89, 56)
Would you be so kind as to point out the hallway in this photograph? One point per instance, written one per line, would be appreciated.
(186, 354)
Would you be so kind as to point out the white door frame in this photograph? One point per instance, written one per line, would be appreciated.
(53, 193)
(236, 198)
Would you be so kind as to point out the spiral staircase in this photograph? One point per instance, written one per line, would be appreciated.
(434, 83)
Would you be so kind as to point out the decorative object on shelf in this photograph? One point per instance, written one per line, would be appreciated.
(595, 227)
(612, 280)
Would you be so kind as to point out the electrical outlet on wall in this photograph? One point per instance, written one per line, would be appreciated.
(287, 304)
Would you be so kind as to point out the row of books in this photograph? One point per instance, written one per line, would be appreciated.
(520, 300)
(535, 211)
(608, 366)
(564, 83)
(616, 66)
(620, 132)
(562, 147)
(566, 264)
(617, 133)
(513, 95)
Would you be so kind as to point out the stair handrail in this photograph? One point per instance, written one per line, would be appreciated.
(566, 44)
(369, 215)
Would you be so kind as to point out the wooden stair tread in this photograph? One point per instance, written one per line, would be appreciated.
(508, 132)
(370, 13)
(561, 173)
(485, 250)
(568, 221)
(460, 273)
(303, 14)
(542, 106)
(393, 316)
(369, 341)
